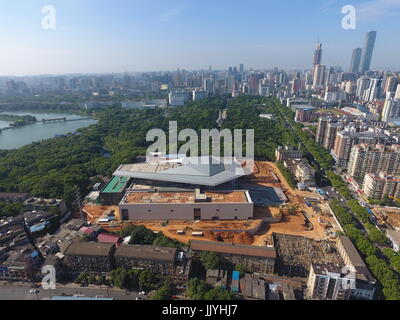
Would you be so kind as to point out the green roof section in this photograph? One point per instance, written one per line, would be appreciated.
(116, 185)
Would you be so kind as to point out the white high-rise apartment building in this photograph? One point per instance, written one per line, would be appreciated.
(391, 110)
(362, 86)
(319, 76)
(366, 159)
(397, 95)
(374, 91)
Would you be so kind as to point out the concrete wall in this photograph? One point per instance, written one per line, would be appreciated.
(227, 211)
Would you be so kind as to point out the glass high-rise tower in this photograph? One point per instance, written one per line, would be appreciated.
(317, 55)
(355, 60)
(367, 52)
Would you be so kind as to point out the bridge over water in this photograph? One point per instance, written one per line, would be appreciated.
(64, 119)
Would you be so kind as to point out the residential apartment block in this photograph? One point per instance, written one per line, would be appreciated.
(302, 170)
(90, 256)
(365, 282)
(160, 261)
(327, 282)
(285, 153)
(373, 159)
(254, 259)
(379, 186)
(346, 140)
(341, 282)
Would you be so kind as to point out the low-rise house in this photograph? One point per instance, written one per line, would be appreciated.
(55, 262)
(41, 222)
(290, 288)
(11, 221)
(12, 233)
(46, 204)
(33, 217)
(13, 196)
(60, 241)
(217, 278)
(19, 265)
(89, 232)
(273, 292)
(288, 292)
(75, 224)
(111, 238)
(253, 287)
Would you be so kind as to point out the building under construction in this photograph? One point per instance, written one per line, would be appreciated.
(296, 254)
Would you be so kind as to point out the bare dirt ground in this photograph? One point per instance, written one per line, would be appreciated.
(389, 215)
(94, 212)
(295, 225)
(227, 231)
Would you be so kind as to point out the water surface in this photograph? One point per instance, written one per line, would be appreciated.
(18, 137)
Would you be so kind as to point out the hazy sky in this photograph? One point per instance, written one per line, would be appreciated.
(149, 35)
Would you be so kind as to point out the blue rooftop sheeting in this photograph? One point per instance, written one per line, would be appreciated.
(39, 227)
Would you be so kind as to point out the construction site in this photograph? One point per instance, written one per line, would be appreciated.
(387, 216)
(277, 209)
(295, 254)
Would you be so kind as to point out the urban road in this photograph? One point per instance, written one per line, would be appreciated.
(20, 291)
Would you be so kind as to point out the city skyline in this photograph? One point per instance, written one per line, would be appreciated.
(158, 36)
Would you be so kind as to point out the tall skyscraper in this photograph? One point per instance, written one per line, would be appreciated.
(317, 56)
(368, 51)
(241, 68)
(319, 76)
(355, 60)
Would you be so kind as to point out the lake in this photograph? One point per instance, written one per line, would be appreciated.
(18, 137)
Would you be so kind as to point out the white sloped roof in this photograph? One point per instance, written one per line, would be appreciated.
(207, 171)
